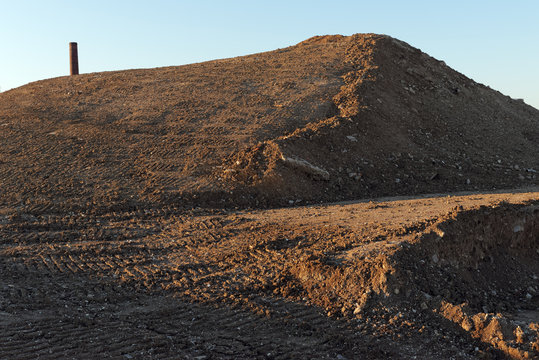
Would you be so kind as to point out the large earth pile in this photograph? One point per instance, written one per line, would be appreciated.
(127, 227)
(331, 118)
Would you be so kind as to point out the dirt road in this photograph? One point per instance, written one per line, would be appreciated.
(305, 282)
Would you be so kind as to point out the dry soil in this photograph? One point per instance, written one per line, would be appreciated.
(247, 208)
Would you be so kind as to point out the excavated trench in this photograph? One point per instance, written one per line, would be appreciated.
(477, 268)
(480, 270)
(487, 258)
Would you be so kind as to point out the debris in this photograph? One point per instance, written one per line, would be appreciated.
(300, 164)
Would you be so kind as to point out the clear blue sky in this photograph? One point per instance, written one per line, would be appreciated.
(494, 42)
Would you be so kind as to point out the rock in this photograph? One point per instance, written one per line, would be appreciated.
(435, 258)
(300, 164)
(439, 231)
(519, 335)
(351, 138)
(466, 324)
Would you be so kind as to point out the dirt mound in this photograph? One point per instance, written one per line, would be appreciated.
(331, 118)
(406, 124)
(116, 225)
(123, 139)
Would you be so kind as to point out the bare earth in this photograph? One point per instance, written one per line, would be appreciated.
(357, 280)
(239, 209)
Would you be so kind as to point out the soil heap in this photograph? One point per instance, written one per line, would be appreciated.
(117, 237)
(329, 119)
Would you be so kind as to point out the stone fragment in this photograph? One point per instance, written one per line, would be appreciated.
(317, 172)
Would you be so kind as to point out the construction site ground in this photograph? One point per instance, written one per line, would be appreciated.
(247, 208)
(213, 284)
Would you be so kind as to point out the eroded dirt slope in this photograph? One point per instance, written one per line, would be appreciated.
(406, 124)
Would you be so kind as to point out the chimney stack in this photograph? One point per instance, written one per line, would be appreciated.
(73, 58)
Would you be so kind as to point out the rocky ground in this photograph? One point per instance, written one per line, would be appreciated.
(235, 209)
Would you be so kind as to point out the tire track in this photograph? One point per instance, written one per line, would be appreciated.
(200, 285)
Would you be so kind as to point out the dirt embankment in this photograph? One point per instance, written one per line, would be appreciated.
(406, 124)
(329, 119)
(134, 138)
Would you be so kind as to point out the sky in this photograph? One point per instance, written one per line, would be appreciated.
(493, 42)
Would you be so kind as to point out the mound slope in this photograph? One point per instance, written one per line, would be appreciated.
(406, 124)
(331, 118)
